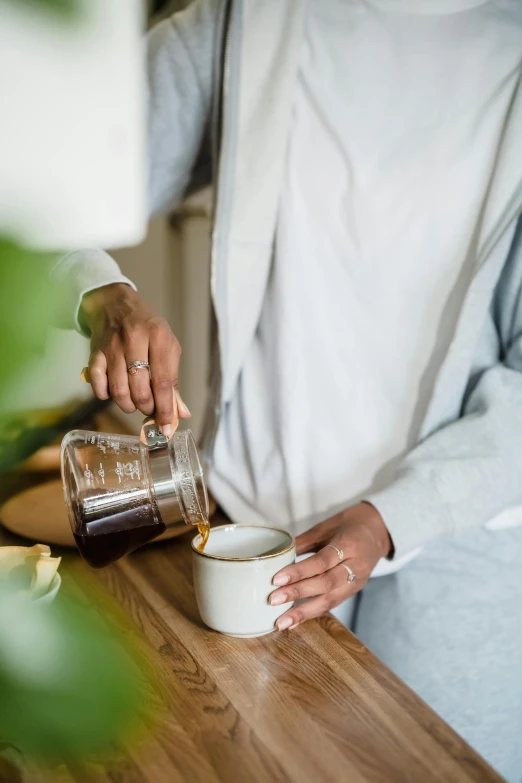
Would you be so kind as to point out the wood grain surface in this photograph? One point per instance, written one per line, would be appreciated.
(311, 704)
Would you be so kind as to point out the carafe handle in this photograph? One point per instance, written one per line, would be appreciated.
(151, 435)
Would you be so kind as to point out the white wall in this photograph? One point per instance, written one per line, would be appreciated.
(52, 379)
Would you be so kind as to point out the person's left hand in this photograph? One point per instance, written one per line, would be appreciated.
(360, 534)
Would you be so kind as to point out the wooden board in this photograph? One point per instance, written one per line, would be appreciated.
(43, 461)
(39, 513)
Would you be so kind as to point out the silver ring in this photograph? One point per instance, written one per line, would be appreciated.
(351, 575)
(133, 367)
(340, 552)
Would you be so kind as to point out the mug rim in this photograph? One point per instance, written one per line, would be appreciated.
(245, 559)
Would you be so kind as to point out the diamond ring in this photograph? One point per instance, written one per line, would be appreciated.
(351, 575)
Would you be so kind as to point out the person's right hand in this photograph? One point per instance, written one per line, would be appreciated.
(124, 330)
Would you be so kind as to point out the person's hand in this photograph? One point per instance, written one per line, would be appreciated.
(123, 330)
(323, 579)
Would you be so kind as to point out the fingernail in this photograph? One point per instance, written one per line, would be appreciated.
(182, 408)
(281, 579)
(167, 430)
(282, 625)
(277, 600)
(293, 626)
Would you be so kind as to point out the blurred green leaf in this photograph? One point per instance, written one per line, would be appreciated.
(68, 687)
(28, 305)
(63, 8)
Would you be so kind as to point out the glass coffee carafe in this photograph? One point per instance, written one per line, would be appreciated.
(121, 492)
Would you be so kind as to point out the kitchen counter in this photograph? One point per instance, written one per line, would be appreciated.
(311, 704)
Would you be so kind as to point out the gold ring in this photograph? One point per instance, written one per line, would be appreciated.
(133, 367)
(351, 575)
(340, 552)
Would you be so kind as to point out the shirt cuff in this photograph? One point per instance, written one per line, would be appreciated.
(80, 272)
(413, 512)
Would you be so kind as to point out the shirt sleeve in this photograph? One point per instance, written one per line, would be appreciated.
(469, 471)
(78, 273)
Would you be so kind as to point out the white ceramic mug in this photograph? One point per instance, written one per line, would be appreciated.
(233, 577)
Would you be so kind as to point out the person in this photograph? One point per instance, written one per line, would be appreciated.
(366, 159)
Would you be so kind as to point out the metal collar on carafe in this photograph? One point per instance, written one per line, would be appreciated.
(175, 488)
(161, 473)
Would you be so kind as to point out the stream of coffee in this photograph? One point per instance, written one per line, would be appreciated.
(204, 532)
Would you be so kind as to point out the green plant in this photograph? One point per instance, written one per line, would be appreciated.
(28, 305)
(68, 687)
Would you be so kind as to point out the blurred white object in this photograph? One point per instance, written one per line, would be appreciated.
(51, 594)
(72, 136)
(35, 386)
(39, 567)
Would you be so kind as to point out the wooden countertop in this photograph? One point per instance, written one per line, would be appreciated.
(309, 705)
